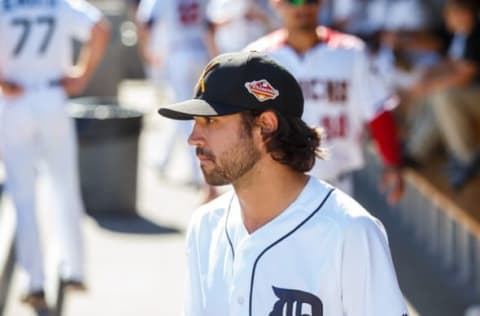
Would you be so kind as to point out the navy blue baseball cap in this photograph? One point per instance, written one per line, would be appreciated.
(238, 82)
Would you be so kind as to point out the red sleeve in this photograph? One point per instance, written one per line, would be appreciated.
(384, 132)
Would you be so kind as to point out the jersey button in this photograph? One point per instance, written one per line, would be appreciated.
(240, 300)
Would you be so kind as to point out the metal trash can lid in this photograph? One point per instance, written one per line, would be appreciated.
(100, 108)
(100, 119)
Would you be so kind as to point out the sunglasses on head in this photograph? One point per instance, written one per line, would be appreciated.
(301, 2)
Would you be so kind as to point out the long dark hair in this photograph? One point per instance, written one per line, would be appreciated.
(293, 143)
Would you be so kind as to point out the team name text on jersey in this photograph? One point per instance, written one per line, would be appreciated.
(9, 5)
(335, 91)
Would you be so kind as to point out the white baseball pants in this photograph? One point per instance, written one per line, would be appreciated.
(36, 130)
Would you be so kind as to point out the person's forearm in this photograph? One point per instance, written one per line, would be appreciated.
(446, 75)
(417, 40)
(455, 80)
(210, 42)
(143, 38)
(384, 132)
(2, 81)
(94, 49)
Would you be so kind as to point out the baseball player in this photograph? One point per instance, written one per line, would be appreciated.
(341, 92)
(36, 75)
(282, 243)
(172, 40)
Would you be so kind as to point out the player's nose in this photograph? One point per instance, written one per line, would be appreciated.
(195, 138)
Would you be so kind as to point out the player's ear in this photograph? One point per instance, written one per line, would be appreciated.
(268, 122)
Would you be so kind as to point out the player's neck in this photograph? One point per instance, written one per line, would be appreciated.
(302, 41)
(267, 193)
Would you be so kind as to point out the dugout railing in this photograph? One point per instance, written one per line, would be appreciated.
(449, 233)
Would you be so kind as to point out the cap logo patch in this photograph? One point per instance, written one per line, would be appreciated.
(262, 90)
(200, 87)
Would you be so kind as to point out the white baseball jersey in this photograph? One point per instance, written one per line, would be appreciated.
(322, 256)
(177, 24)
(36, 52)
(36, 37)
(341, 93)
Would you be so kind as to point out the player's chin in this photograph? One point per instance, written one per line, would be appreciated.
(204, 163)
(215, 179)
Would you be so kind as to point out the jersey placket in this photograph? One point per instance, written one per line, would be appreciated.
(248, 250)
(241, 277)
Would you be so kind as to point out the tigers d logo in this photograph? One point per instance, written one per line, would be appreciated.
(296, 303)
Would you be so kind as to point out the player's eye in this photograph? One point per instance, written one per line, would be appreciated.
(204, 120)
(210, 120)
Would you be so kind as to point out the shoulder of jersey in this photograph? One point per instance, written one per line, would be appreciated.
(345, 211)
(336, 39)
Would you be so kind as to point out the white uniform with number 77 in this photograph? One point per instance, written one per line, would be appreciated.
(36, 52)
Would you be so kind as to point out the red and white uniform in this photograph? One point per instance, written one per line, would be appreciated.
(36, 52)
(341, 93)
